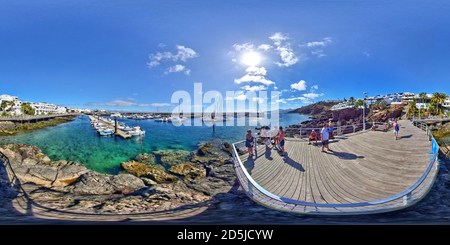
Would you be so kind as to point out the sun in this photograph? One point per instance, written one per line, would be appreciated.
(251, 59)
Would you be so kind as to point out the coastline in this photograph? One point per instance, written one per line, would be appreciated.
(10, 128)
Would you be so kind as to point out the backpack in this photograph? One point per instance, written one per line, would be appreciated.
(396, 127)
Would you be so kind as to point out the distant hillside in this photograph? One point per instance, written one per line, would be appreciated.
(315, 108)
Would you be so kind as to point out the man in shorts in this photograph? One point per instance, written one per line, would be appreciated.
(325, 137)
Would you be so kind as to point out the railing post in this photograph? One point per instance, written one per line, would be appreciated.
(406, 198)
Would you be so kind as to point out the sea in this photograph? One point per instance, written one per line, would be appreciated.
(77, 141)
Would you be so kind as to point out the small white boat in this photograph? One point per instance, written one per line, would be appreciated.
(136, 131)
(165, 119)
(126, 128)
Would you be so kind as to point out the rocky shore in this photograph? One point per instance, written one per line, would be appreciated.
(321, 113)
(69, 187)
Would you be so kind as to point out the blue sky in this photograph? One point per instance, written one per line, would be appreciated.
(133, 55)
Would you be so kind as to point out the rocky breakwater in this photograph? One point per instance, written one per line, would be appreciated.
(9, 128)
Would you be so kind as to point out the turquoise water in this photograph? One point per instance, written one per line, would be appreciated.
(78, 141)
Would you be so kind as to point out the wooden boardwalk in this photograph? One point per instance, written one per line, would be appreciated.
(362, 167)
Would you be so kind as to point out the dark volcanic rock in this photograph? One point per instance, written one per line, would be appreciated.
(93, 183)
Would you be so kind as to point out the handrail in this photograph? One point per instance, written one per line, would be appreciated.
(407, 195)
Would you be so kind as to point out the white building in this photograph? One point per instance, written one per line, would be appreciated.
(13, 108)
(446, 102)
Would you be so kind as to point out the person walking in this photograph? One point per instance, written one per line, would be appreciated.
(281, 138)
(249, 142)
(325, 136)
(396, 128)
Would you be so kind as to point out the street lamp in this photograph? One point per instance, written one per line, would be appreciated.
(364, 110)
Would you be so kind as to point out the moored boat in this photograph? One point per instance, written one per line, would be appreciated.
(136, 131)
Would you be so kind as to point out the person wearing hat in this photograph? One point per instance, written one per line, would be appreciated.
(312, 136)
(249, 142)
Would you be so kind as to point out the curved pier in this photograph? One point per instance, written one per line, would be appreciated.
(366, 172)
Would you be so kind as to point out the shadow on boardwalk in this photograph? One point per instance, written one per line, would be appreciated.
(291, 162)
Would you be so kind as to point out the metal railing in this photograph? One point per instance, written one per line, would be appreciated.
(416, 118)
(401, 200)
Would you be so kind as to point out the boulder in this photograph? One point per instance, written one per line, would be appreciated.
(145, 158)
(189, 170)
(93, 183)
(156, 173)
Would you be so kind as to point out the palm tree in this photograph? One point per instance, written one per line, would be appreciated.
(351, 100)
(11, 104)
(27, 109)
(4, 105)
(430, 107)
(422, 95)
(438, 98)
(412, 106)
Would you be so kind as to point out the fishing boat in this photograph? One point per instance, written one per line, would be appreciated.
(136, 131)
(106, 132)
(126, 128)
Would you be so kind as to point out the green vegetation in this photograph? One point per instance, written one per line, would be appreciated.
(33, 126)
(27, 109)
(438, 99)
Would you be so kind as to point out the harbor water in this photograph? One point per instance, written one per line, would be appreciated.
(78, 141)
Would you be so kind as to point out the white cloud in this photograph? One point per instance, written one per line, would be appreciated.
(244, 47)
(256, 70)
(322, 43)
(278, 37)
(318, 53)
(183, 54)
(177, 68)
(117, 102)
(161, 45)
(312, 95)
(254, 88)
(299, 86)
(264, 47)
(281, 100)
(286, 53)
(317, 45)
(366, 54)
(251, 78)
(303, 99)
(160, 104)
(287, 56)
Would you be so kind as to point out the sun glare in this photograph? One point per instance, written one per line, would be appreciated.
(251, 59)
